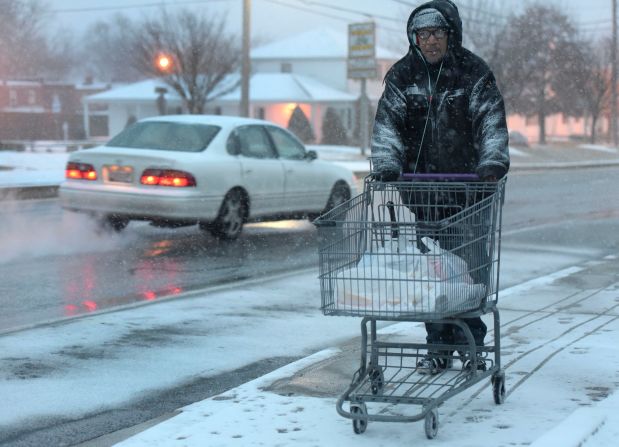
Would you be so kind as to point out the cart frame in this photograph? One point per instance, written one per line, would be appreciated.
(388, 372)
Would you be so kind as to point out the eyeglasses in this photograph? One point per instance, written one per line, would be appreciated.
(439, 34)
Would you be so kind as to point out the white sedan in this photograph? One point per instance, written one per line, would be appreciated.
(215, 171)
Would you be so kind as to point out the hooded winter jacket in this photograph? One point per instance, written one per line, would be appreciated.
(442, 119)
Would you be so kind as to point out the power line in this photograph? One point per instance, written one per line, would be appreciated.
(352, 11)
(402, 2)
(142, 5)
(311, 11)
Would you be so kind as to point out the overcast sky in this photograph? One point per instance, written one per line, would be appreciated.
(273, 18)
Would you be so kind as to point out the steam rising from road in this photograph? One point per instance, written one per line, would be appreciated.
(26, 232)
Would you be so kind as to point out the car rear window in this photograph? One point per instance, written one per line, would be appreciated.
(166, 136)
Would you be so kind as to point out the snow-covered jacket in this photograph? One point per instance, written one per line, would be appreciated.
(453, 124)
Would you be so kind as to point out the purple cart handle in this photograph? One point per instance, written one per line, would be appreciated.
(442, 177)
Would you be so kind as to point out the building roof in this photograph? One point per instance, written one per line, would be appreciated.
(318, 43)
(143, 91)
(264, 87)
(288, 87)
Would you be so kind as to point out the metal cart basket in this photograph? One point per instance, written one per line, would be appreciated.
(425, 248)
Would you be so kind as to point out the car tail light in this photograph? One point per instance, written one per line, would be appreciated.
(80, 171)
(167, 177)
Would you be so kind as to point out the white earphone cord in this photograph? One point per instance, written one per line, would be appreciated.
(423, 135)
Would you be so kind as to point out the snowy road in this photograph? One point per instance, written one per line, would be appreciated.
(70, 269)
(75, 381)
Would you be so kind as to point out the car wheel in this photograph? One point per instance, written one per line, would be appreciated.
(231, 218)
(112, 223)
(339, 195)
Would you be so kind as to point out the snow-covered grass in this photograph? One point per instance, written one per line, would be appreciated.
(32, 168)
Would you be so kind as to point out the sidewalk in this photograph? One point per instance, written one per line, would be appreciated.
(561, 360)
(551, 156)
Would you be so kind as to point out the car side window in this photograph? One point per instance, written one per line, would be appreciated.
(254, 142)
(287, 147)
(233, 145)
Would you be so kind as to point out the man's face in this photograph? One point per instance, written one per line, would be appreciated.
(433, 43)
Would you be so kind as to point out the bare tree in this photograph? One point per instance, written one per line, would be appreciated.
(204, 55)
(26, 51)
(483, 23)
(538, 46)
(107, 50)
(589, 83)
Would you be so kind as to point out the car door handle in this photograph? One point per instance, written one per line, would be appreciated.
(248, 171)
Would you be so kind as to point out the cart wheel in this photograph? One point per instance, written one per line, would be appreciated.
(377, 379)
(498, 387)
(431, 423)
(359, 413)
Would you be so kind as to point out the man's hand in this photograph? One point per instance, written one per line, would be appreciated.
(386, 176)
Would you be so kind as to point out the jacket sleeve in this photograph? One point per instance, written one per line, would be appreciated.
(388, 150)
(490, 136)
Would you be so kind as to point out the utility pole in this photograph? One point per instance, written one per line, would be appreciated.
(365, 117)
(613, 85)
(245, 68)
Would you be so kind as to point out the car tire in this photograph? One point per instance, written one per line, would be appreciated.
(232, 215)
(339, 194)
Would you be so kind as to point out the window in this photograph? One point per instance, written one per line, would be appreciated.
(286, 67)
(166, 136)
(254, 142)
(287, 146)
(531, 120)
(32, 97)
(13, 98)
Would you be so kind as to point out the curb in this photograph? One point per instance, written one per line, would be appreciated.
(28, 192)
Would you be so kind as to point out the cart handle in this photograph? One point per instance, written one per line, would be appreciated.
(441, 177)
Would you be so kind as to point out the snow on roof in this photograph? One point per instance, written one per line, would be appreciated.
(317, 43)
(264, 87)
(136, 92)
(288, 87)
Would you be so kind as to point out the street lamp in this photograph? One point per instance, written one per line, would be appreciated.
(164, 63)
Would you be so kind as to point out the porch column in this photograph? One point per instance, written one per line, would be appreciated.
(86, 116)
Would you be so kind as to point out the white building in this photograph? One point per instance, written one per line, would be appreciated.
(308, 70)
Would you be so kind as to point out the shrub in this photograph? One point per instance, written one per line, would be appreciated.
(300, 126)
(333, 130)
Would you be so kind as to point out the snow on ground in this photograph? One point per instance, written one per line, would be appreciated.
(553, 373)
(98, 362)
(94, 363)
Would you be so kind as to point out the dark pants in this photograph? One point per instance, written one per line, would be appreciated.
(469, 241)
(476, 256)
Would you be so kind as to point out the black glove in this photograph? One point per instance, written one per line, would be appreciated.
(386, 176)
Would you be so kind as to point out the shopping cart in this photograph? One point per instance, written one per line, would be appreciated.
(425, 248)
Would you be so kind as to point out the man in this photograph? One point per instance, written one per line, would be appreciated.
(440, 112)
